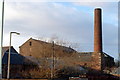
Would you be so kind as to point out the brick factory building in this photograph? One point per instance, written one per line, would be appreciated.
(39, 49)
(97, 60)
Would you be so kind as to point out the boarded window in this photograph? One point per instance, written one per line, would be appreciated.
(30, 43)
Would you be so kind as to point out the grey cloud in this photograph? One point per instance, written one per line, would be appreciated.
(38, 19)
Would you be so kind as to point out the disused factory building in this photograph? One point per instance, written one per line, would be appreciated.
(96, 60)
(39, 49)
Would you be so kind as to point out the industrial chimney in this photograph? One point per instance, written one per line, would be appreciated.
(97, 30)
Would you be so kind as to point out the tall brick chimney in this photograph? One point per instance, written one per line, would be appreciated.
(97, 30)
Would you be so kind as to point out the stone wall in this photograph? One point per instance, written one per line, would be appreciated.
(38, 49)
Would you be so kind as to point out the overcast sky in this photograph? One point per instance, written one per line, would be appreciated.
(69, 21)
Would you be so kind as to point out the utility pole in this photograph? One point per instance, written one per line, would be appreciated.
(1, 38)
(53, 60)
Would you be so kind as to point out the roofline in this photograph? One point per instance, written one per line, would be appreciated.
(107, 54)
(46, 43)
(85, 52)
(93, 52)
(6, 46)
(25, 42)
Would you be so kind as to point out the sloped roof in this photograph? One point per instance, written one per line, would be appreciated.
(43, 42)
(34, 60)
(14, 59)
(105, 54)
(6, 49)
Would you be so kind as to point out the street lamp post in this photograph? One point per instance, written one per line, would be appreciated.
(8, 72)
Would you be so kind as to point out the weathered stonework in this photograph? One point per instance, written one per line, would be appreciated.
(39, 49)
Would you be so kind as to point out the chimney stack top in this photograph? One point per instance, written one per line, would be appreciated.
(97, 8)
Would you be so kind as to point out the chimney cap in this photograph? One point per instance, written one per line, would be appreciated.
(97, 8)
